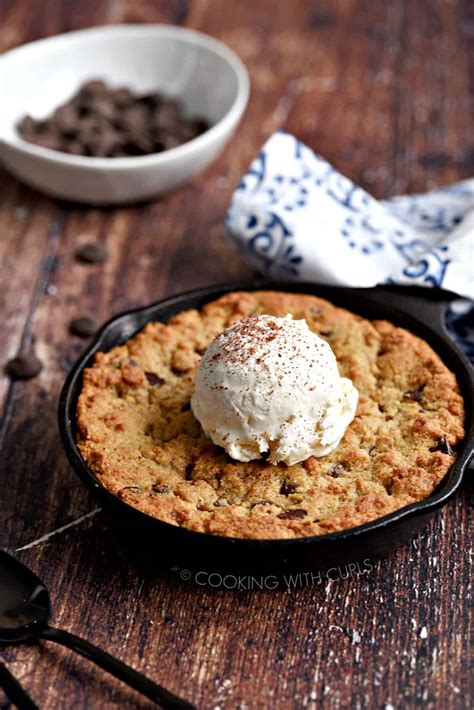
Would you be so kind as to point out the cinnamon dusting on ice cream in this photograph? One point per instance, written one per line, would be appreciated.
(269, 386)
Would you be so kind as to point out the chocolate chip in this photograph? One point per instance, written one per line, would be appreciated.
(84, 326)
(48, 140)
(415, 395)
(74, 147)
(133, 362)
(170, 141)
(201, 125)
(27, 127)
(134, 118)
(66, 119)
(135, 489)
(185, 132)
(186, 407)
(287, 488)
(23, 367)
(103, 122)
(166, 116)
(121, 97)
(335, 471)
(294, 514)
(160, 489)
(88, 129)
(154, 99)
(90, 90)
(263, 502)
(443, 446)
(218, 504)
(103, 106)
(105, 143)
(139, 142)
(91, 253)
(154, 380)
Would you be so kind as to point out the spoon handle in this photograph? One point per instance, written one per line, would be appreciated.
(14, 691)
(144, 685)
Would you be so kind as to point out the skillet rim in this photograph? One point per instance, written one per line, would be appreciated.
(435, 300)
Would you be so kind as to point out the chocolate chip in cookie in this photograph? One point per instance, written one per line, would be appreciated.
(188, 471)
(416, 395)
(288, 487)
(294, 514)
(160, 489)
(443, 446)
(154, 380)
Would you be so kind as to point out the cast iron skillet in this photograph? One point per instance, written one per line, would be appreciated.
(417, 309)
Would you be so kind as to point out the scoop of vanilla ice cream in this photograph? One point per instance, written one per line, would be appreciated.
(269, 385)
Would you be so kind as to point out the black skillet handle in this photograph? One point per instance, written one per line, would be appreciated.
(167, 700)
(15, 691)
(427, 305)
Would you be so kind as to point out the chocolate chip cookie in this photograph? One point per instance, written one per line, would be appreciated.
(139, 437)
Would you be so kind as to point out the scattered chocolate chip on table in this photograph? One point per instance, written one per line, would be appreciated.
(83, 326)
(91, 253)
(24, 366)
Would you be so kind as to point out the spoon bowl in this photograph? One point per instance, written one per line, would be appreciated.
(25, 606)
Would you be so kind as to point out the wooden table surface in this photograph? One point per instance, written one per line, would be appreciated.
(381, 89)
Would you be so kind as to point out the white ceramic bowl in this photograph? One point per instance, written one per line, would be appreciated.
(205, 75)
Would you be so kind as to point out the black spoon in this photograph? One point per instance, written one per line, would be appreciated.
(24, 614)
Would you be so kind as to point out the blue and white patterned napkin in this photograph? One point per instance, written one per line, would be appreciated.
(294, 216)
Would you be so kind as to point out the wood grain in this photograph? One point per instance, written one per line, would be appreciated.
(382, 90)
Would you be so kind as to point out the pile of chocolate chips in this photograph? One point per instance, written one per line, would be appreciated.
(111, 123)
